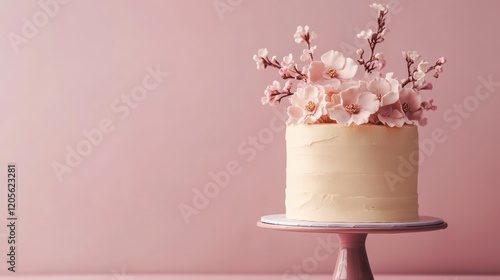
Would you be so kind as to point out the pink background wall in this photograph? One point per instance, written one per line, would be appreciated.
(119, 206)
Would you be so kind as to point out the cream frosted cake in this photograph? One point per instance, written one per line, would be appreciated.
(352, 144)
(343, 173)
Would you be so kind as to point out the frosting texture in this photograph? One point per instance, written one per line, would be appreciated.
(365, 173)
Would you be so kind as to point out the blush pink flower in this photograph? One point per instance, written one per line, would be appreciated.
(385, 90)
(308, 105)
(392, 115)
(411, 101)
(333, 65)
(356, 106)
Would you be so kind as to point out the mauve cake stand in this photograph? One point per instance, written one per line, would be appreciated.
(352, 261)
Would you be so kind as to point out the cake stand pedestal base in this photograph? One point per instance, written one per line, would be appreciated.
(352, 261)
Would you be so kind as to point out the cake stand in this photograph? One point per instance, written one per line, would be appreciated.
(352, 260)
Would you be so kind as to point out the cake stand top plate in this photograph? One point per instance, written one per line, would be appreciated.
(280, 222)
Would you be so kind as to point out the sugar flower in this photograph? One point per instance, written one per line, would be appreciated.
(411, 55)
(356, 106)
(273, 95)
(411, 101)
(287, 66)
(392, 115)
(259, 58)
(429, 105)
(384, 91)
(365, 34)
(326, 90)
(379, 61)
(333, 65)
(303, 34)
(308, 105)
(306, 53)
(380, 7)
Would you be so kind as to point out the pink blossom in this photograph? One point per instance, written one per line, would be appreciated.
(392, 115)
(429, 105)
(411, 101)
(287, 66)
(259, 58)
(332, 91)
(419, 75)
(308, 105)
(333, 65)
(379, 62)
(273, 95)
(306, 53)
(365, 34)
(356, 106)
(411, 55)
(304, 35)
(384, 91)
(439, 70)
(380, 7)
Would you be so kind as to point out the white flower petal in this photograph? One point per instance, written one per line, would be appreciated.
(361, 117)
(339, 114)
(349, 70)
(334, 60)
(368, 102)
(389, 98)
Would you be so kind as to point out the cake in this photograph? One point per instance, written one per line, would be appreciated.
(337, 173)
(352, 143)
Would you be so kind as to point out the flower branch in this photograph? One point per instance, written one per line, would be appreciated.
(376, 60)
(328, 92)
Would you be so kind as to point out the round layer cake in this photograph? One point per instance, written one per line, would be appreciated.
(365, 173)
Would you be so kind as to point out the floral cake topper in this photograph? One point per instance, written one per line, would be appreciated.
(327, 92)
